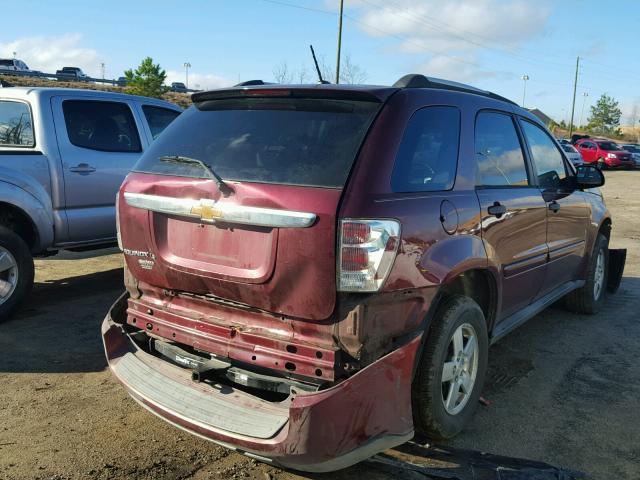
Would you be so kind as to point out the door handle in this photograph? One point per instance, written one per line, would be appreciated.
(82, 168)
(554, 206)
(497, 209)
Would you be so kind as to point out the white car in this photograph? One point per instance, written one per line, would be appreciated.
(634, 150)
(572, 154)
(13, 64)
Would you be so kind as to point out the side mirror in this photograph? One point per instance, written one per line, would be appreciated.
(589, 176)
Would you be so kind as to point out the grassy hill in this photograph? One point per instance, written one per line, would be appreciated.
(182, 99)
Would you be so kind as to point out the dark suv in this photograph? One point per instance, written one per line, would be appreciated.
(314, 273)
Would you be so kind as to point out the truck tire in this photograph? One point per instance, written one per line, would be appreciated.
(451, 372)
(16, 272)
(590, 297)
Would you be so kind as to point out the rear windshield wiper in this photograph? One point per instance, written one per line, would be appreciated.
(224, 188)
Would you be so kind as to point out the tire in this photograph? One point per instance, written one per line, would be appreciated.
(16, 272)
(589, 299)
(431, 417)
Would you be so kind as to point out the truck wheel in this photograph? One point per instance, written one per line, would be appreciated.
(451, 372)
(16, 271)
(590, 297)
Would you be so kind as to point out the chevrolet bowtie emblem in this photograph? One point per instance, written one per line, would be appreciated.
(206, 211)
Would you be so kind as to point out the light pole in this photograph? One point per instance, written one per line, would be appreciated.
(584, 99)
(14, 54)
(524, 91)
(187, 66)
(102, 69)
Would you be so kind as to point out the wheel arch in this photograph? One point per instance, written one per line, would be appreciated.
(27, 216)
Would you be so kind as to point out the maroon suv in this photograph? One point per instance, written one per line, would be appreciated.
(315, 273)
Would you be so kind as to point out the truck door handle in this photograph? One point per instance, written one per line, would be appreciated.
(497, 209)
(82, 168)
(554, 206)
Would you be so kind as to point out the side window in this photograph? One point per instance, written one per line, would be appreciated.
(428, 154)
(498, 152)
(16, 127)
(104, 126)
(547, 159)
(158, 118)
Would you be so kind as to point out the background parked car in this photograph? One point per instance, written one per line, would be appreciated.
(13, 64)
(604, 153)
(572, 154)
(71, 73)
(178, 87)
(63, 156)
(634, 149)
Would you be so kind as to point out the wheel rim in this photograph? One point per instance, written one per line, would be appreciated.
(460, 369)
(8, 274)
(598, 277)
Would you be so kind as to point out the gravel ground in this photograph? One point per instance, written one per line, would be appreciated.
(563, 388)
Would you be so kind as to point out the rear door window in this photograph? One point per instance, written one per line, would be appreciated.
(498, 152)
(547, 159)
(158, 118)
(428, 154)
(16, 125)
(103, 126)
(294, 141)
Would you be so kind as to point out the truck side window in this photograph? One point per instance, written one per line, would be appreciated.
(16, 127)
(428, 155)
(498, 152)
(103, 126)
(547, 159)
(158, 118)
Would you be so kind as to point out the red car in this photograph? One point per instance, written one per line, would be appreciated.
(604, 153)
(316, 272)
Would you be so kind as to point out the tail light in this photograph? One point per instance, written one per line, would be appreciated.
(118, 221)
(366, 251)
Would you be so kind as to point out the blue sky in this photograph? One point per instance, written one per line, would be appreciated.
(487, 43)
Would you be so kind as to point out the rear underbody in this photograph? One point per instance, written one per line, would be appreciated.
(299, 422)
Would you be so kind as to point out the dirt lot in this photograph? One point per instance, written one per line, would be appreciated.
(564, 388)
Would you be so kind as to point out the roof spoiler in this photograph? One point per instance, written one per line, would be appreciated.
(278, 91)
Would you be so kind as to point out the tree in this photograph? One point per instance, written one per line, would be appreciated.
(605, 116)
(282, 74)
(350, 72)
(147, 80)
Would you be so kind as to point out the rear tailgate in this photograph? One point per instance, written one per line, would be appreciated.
(265, 237)
(290, 271)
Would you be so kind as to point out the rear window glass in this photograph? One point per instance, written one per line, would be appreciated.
(103, 126)
(16, 127)
(428, 155)
(271, 140)
(6, 63)
(498, 152)
(158, 118)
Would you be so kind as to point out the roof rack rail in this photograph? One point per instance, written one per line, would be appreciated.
(248, 83)
(416, 80)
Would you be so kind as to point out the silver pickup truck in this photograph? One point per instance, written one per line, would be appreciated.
(63, 156)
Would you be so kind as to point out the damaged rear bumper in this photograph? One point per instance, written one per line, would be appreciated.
(317, 432)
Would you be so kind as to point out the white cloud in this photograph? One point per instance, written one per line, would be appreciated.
(458, 24)
(50, 53)
(198, 81)
(452, 34)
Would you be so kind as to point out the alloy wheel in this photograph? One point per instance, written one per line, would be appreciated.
(460, 369)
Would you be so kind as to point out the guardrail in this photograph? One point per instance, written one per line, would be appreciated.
(71, 78)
